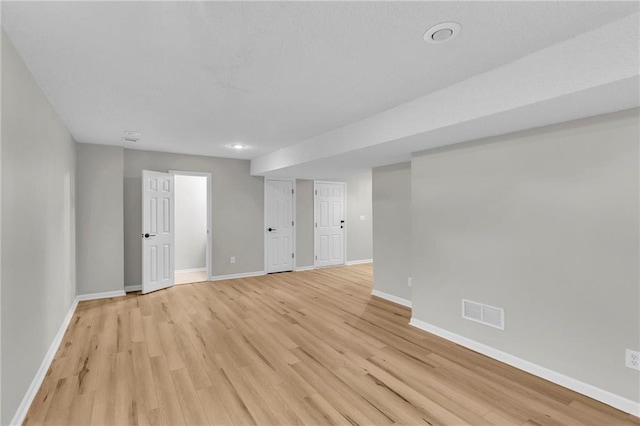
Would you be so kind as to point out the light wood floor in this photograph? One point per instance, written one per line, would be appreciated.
(297, 348)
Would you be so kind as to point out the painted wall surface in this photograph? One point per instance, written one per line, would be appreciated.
(238, 210)
(190, 222)
(38, 227)
(99, 218)
(544, 224)
(304, 226)
(392, 229)
(359, 232)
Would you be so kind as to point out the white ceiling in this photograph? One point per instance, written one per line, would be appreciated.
(194, 77)
(591, 74)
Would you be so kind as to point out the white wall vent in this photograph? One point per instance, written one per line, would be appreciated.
(484, 314)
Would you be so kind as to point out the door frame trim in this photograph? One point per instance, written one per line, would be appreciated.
(315, 220)
(209, 248)
(293, 215)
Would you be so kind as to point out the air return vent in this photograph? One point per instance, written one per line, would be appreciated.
(484, 314)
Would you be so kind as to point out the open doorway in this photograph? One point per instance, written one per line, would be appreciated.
(192, 227)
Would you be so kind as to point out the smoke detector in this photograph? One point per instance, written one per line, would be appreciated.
(131, 136)
(442, 32)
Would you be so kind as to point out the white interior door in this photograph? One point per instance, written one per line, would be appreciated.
(157, 231)
(330, 223)
(279, 225)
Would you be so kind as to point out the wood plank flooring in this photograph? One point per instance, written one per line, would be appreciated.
(298, 348)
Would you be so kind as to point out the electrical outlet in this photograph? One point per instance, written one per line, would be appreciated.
(633, 359)
(409, 281)
(232, 260)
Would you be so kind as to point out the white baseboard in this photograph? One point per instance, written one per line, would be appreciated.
(233, 276)
(616, 401)
(358, 262)
(103, 295)
(391, 298)
(304, 268)
(187, 271)
(29, 396)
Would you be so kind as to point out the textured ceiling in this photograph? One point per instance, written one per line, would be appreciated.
(195, 77)
(594, 73)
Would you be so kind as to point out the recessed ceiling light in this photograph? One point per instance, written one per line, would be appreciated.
(442, 32)
(130, 139)
(238, 146)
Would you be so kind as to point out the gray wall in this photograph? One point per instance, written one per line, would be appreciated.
(99, 218)
(544, 224)
(392, 229)
(38, 227)
(304, 219)
(359, 232)
(238, 210)
(191, 222)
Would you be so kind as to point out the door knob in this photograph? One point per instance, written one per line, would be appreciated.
(271, 229)
(148, 235)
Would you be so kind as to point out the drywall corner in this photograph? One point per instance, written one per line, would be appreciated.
(99, 219)
(391, 204)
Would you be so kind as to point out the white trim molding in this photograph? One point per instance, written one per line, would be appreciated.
(606, 397)
(132, 288)
(391, 298)
(103, 295)
(358, 262)
(188, 271)
(304, 268)
(234, 276)
(29, 396)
